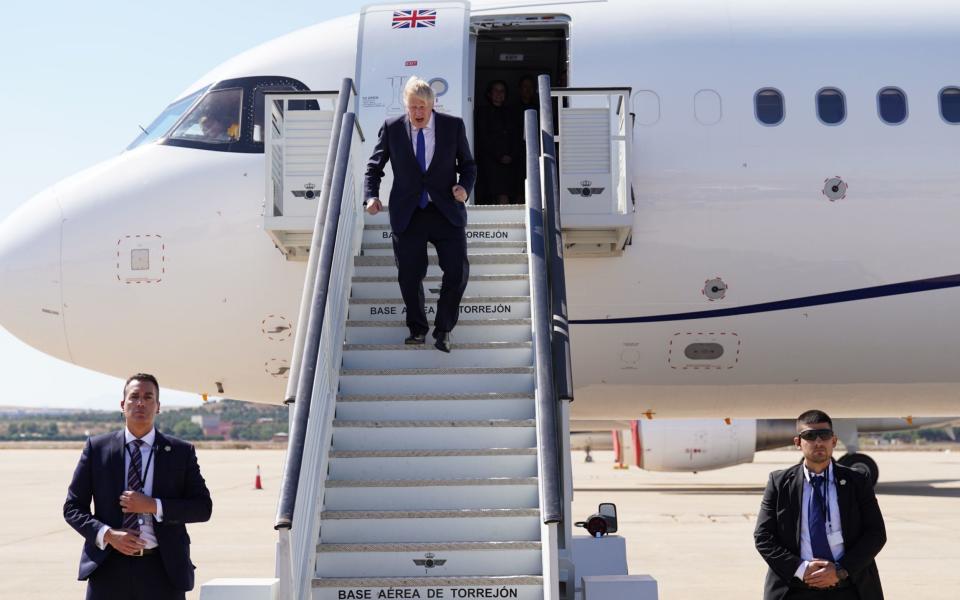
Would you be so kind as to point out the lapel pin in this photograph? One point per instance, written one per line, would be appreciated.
(843, 482)
(166, 448)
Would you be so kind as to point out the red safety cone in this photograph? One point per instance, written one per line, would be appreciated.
(257, 485)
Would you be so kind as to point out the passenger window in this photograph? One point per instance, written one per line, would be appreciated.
(950, 104)
(831, 106)
(892, 104)
(768, 104)
(215, 119)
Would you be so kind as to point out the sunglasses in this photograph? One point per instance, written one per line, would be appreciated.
(813, 434)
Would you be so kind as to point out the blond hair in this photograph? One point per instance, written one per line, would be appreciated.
(419, 88)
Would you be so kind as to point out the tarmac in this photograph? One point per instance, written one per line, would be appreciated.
(692, 532)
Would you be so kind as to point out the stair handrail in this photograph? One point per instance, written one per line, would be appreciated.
(549, 474)
(560, 324)
(563, 371)
(546, 412)
(295, 440)
(347, 91)
(298, 516)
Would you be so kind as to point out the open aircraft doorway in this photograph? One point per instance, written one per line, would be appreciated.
(509, 53)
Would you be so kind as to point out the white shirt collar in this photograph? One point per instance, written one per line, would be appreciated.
(828, 472)
(147, 439)
(429, 124)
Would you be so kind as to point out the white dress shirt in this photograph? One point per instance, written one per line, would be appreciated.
(147, 449)
(834, 532)
(429, 138)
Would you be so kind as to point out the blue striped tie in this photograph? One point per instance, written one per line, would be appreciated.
(422, 159)
(134, 482)
(818, 520)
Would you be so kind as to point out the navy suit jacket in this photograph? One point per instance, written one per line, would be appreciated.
(177, 482)
(777, 535)
(452, 165)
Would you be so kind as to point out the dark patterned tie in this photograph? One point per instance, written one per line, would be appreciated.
(134, 482)
(818, 520)
(422, 160)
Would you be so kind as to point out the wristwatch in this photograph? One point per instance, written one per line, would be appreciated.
(842, 573)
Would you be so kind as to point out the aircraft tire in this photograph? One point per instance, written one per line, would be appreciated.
(862, 463)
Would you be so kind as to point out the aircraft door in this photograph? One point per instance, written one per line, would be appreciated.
(431, 41)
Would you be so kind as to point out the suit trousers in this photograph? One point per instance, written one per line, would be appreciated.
(428, 225)
(122, 577)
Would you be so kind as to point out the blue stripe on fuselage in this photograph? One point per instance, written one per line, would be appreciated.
(880, 291)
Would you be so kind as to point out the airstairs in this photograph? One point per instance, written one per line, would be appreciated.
(413, 473)
(421, 474)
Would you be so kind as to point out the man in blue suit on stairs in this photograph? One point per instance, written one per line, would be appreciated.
(433, 174)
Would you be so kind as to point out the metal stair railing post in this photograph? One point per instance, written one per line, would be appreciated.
(560, 329)
(318, 346)
(548, 447)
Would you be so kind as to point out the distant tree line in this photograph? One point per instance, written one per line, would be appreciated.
(251, 422)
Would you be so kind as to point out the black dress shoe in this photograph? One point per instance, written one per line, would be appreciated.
(415, 338)
(443, 341)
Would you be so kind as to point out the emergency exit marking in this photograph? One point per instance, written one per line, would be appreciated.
(140, 259)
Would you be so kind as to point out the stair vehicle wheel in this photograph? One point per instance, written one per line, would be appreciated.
(862, 463)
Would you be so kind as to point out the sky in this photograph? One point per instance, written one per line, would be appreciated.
(76, 80)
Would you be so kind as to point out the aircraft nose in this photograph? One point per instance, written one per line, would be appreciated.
(31, 305)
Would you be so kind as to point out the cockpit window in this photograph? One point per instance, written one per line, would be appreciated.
(162, 124)
(214, 120)
(228, 116)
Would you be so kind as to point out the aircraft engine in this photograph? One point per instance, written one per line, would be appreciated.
(691, 444)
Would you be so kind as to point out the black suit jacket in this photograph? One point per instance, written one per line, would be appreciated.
(452, 164)
(177, 482)
(777, 534)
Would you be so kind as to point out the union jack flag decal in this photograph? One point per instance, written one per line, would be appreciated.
(414, 19)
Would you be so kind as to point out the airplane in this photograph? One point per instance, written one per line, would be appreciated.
(757, 205)
(693, 445)
(789, 240)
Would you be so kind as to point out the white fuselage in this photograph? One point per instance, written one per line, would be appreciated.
(734, 199)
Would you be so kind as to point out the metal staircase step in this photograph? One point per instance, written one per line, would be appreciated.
(437, 381)
(506, 231)
(493, 284)
(406, 526)
(424, 494)
(474, 248)
(475, 214)
(407, 356)
(433, 434)
(471, 307)
(397, 559)
(468, 331)
(422, 406)
(519, 587)
(500, 263)
(416, 464)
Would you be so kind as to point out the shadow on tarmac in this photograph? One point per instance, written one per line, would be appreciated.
(923, 488)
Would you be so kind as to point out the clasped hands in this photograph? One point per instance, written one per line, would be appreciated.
(821, 574)
(127, 541)
(459, 194)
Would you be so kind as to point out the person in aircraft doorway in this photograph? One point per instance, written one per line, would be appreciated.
(433, 175)
(499, 142)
